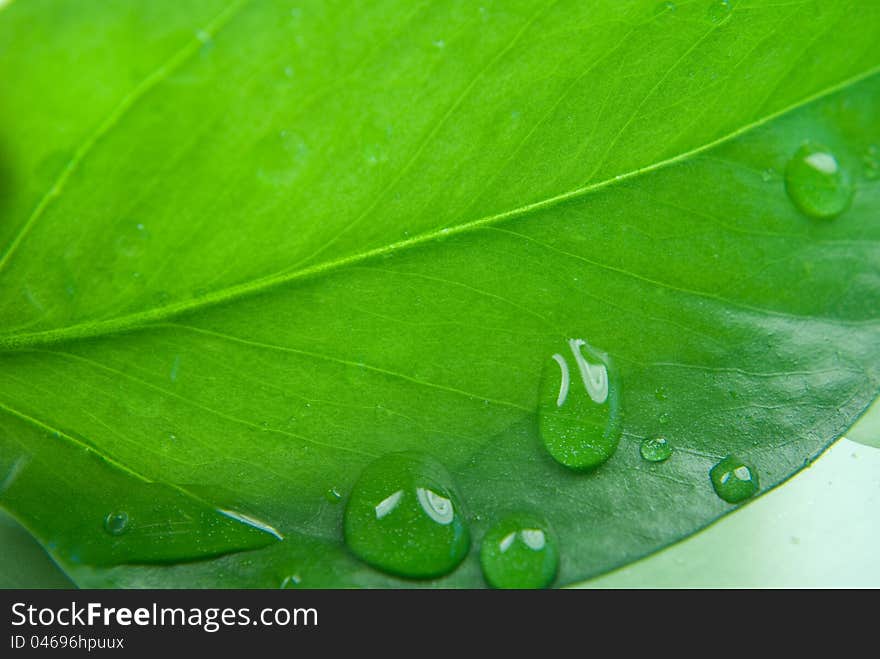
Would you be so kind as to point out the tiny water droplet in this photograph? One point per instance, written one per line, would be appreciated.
(733, 480)
(816, 182)
(660, 393)
(519, 552)
(579, 411)
(663, 418)
(768, 175)
(719, 10)
(333, 495)
(664, 8)
(281, 155)
(116, 523)
(292, 581)
(655, 449)
(172, 437)
(871, 162)
(403, 517)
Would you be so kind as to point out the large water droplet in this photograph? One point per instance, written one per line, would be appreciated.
(403, 517)
(655, 449)
(116, 523)
(816, 182)
(519, 552)
(733, 480)
(579, 410)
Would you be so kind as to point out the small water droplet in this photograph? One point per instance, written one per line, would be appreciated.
(719, 10)
(116, 523)
(579, 411)
(660, 393)
(281, 155)
(655, 449)
(871, 162)
(172, 437)
(665, 8)
(663, 418)
(816, 182)
(333, 495)
(519, 552)
(733, 480)
(768, 175)
(403, 517)
(292, 581)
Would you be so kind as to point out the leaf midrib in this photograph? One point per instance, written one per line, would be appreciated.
(139, 320)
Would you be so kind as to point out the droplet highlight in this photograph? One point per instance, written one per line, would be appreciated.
(116, 523)
(404, 517)
(816, 182)
(655, 449)
(579, 409)
(519, 552)
(719, 10)
(734, 480)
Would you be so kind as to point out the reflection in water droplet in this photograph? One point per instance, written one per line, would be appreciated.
(519, 552)
(579, 409)
(116, 523)
(733, 480)
(816, 183)
(333, 495)
(403, 517)
(719, 10)
(655, 449)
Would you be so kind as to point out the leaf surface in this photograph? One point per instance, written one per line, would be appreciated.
(302, 237)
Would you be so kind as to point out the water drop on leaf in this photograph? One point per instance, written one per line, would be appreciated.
(519, 552)
(655, 449)
(403, 517)
(719, 10)
(116, 523)
(579, 409)
(816, 183)
(733, 480)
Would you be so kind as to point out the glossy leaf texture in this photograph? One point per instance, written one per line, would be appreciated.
(245, 249)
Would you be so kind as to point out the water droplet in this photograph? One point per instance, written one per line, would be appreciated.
(660, 393)
(733, 480)
(519, 552)
(292, 581)
(719, 10)
(655, 449)
(333, 495)
(664, 8)
(579, 411)
(663, 418)
(403, 517)
(816, 183)
(871, 162)
(768, 175)
(116, 523)
(282, 156)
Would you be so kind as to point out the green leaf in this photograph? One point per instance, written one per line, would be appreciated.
(246, 249)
